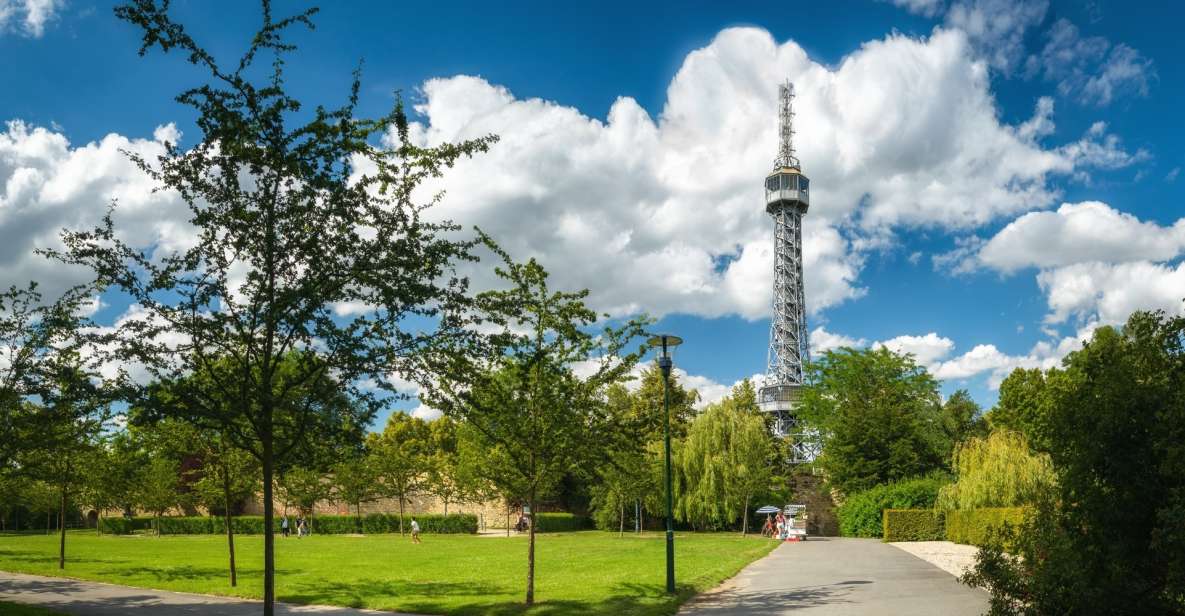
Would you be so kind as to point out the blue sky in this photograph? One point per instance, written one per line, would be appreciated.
(992, 179)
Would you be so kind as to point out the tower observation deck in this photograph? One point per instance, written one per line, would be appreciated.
(787, 198)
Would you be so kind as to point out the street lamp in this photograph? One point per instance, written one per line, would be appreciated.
(665, 343)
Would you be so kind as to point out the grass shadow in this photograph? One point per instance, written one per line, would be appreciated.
(355, 593)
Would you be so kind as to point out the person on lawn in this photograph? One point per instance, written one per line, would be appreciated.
(284, 526)
(415, 531)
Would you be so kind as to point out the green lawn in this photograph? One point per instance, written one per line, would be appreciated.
(576, 573)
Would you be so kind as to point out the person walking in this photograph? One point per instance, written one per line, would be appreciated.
(284, 526)
(415, 531)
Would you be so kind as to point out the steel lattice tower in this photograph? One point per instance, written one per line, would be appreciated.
(787, 199)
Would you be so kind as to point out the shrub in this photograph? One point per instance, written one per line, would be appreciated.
(322, 524)
(861, 514)
(124, 526)
(913, 525)
(999, 470)
(974, 526)
(561, 522)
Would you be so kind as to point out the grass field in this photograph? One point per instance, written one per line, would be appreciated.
(577, 573)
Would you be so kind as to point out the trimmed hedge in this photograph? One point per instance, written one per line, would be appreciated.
(972, 526)
(913, 525)
(322, 524)
(124, 526)
(861, 514)
(561, 522)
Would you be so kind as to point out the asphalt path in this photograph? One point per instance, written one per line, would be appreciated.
(81, 598)
(825, 576)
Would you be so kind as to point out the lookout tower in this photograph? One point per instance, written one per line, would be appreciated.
(787, 198)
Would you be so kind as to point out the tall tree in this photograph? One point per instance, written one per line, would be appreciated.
(400, 458)
(304, 487)
(517, 390)
(1023, 405)
(355, 482)
(962, 418)
(999, 470)
(158, 487)
(307, 236)
(878, 414)
(1109, 540)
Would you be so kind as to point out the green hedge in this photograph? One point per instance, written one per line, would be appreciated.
(861, 514)
(322, 524)
(972, 526)
(913, 525)
(561, 522)
(124, 526)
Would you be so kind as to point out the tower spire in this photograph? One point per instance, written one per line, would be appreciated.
(786, 157)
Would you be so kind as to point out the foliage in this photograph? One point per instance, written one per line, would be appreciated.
(879, 415)
(1110, 539)
(354, 482)
(561, 522)
(725, 461)
(530, 416)
(125, 526)
(400, 457)
(913, 525)
(1023, 405)
(326, 524)
(997, 471)
(157, 486)
(861, 515)
(962, 419)
(976, 526)
(304, 487)
(296, 210)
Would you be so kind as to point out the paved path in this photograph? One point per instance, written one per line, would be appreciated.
(95, 599)
(840, 576)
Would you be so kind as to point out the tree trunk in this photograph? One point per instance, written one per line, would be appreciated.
(358, 510)
(48, 523)
(531, 554)
(745, 517)
(269, 538)
(99, 522)
(62, 523)
(400, 515)
(445, 506)
(230, 531)
(637, 516)
(621, 529)
(508, 517)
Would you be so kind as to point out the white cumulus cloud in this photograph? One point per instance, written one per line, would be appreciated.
(29, 17)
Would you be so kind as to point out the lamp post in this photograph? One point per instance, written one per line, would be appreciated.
(665, 343)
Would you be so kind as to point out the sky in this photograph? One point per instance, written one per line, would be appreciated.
(992, 179)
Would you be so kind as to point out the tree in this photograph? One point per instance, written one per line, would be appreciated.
(533, 417)
(878, 414)
(448, 478)
(962, 419)
(999, 470)
(355, 482)
(228, 476)
(400, 458)
(725, 461)
(308, 239)
(158, 488)
(1023, 405)
(305, 487)
(110, 476)
(1109, 540)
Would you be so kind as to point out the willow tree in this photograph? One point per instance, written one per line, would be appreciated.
(533, 418)
(999, 470)
(307, 236)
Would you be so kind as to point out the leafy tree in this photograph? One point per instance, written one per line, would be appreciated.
(962, 418)
(304, 487)
(535, 419)
(878, 414)
(297, 212)
(624, 477)
(228, 477)
(1109, 540)
(158, 487)
(400, 458)
(355, 482)
(448, 478)
(1023, 405)
(999, 470)
(110, 476)
(725, 462)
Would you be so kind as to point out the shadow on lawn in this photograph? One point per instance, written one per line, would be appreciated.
(29, 556)
(356, 593)
(174, 573)
(628, 599)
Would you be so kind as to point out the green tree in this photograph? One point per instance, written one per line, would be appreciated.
(448, 479)
(1023, 405)
(400, 458)
(999, 470)
(304, 487)
(962, 418)
(297, 211)
(354, 483)
(228, 477)
(158, 487)
(534, 418)
(1110, 539)
(878, 414)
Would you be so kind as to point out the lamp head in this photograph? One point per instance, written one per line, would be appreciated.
(665, 343)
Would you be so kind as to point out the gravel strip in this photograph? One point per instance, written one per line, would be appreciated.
(954, 558)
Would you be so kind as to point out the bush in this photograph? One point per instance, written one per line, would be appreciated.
(973, 526)
(124, 526)
(322, 524)
(561, 522)
(861, 514)
(913, 525)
